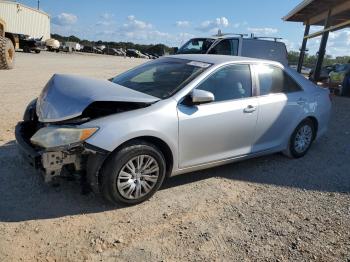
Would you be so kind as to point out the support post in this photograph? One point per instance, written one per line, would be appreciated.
(303, 48)
(322, 49)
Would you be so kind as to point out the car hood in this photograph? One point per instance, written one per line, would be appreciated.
(66, 96)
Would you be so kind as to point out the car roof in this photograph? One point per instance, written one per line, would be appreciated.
(237, 36)
(222, 59)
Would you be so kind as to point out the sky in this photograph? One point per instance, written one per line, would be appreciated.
(174, 22)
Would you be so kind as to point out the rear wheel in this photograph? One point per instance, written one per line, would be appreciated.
(7, 53)
(133, 174)
(301, 139)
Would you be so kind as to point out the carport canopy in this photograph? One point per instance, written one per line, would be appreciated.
(332, 14)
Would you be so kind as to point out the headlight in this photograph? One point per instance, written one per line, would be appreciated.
(48, 137)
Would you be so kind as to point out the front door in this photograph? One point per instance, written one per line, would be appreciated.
(221, 129)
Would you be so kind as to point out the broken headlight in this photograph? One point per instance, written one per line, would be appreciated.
(49, 137)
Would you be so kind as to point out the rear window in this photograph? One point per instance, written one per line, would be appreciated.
(273, 80)
(265, 49)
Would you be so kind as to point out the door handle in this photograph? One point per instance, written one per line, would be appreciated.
(249, 109)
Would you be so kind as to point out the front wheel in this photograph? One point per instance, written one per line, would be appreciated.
(301, 139)
(133, 174)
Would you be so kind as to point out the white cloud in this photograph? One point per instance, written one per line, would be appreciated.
(338, 43)
(134, 24)
(236, 25)
(107, 16)
(134, 30)
(213, 25)
(104, 23)
(106, 20)
(64, 19)
(262, 30)
(182, 23)
(291, 46)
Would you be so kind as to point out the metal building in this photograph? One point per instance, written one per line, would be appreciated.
(332, 14)
(21, 19)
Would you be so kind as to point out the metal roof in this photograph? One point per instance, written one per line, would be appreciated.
(314, 12)
(14, 2)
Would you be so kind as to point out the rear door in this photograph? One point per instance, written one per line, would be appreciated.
(281, 105)
(221, 129)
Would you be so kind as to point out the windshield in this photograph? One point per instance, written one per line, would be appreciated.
(162, 77)
(196, 46)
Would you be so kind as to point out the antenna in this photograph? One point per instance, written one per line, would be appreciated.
(38, 4)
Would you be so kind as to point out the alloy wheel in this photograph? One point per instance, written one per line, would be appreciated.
(303, 139)
(138, 177)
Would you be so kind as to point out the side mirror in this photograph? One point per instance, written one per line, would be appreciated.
(200, 96)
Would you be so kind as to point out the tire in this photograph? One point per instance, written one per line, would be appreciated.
(7, 53)
(295, 149)
(37, 51)
(116, 174)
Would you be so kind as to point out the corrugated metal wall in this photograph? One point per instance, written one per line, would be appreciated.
(20, 19)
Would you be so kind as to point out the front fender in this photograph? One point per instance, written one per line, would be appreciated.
(158, 120)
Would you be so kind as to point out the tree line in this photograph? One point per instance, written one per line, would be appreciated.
(310, 60)
(159, 49)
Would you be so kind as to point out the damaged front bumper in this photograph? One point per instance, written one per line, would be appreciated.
(82, 158)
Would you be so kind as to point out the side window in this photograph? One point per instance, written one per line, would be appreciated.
(195, 46)
(226, 47)
(274, 80)
(230, 82)
(290, 85)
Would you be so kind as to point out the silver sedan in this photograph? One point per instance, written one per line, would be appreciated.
(170, 116)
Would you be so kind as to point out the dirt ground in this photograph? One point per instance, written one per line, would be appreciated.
(266, 209)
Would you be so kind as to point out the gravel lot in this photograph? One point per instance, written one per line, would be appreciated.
(267, 209)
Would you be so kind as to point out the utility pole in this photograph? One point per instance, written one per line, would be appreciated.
(38, 4)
